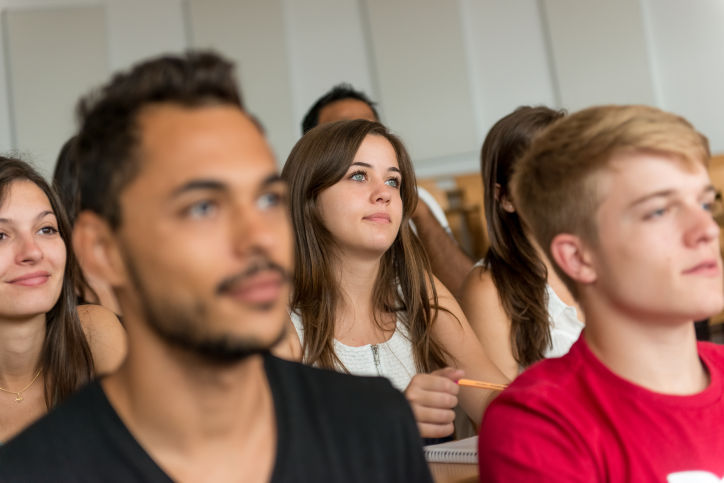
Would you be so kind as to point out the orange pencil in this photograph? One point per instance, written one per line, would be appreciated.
(482, 384)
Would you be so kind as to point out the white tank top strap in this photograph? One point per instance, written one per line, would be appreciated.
(565, 326)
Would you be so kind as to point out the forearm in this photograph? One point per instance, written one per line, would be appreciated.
(448, 261)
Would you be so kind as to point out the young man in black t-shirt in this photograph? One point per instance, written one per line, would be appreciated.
(184, 214)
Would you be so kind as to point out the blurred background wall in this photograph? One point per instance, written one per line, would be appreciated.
(443, 71)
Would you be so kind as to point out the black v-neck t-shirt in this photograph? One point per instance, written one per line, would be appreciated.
(330, 427)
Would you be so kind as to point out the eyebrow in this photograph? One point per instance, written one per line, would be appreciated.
(215, 185)
(666, 194)
(367, 165)
(40, 216)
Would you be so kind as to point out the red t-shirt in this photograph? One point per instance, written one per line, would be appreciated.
(572, 419)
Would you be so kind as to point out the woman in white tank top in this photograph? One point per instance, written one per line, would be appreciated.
(517, 305)
(365, 300)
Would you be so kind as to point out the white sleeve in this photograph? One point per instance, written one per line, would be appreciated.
(435, 208)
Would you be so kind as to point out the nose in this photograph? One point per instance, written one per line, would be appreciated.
(702, 227)
(256, 232)
(28, 250)
(382, 193)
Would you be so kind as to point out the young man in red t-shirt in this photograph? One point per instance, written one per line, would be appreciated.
(620, 198)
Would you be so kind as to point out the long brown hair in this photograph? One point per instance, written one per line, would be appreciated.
(66, 359)
(519, 275)
(319, 160)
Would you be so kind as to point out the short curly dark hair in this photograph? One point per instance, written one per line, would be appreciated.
(337, 93)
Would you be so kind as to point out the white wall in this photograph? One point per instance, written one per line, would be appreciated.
(326, 45)
(508, 57)
(252, 34)
(143, 28)
(599, 52)
(47, 72)
(443, 72)
(687, 41)
(423, 75)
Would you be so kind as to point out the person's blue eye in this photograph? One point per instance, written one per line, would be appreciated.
(713, 206)
(201, 209)
(358, 176)
(394, 182)
(657, 213)
(271, 199)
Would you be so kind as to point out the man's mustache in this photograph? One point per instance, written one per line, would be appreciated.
(227, 284)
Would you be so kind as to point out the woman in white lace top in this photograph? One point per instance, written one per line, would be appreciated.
(365, 300)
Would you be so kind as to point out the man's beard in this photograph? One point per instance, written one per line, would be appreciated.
(183, 327)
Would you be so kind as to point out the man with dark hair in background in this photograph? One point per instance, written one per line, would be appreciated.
(186, 217)
(449, 263)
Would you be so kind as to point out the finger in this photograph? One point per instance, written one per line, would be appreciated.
(433, 383)
(449, 372)
(433, 415)
(432, 399)
(435, 430)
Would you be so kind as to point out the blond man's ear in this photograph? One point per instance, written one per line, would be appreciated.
(570, 253)
(97, 251)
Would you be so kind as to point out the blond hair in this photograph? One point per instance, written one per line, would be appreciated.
(554, 185)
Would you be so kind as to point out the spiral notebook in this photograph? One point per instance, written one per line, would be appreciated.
(460, 451)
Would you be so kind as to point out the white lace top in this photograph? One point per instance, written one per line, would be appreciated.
(392, 359)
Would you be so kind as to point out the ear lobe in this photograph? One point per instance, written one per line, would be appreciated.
(571, 255)
(96, 249)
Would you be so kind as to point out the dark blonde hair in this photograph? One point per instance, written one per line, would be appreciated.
(319, 160)
(65, 359)
(519, 275)
(554, 185)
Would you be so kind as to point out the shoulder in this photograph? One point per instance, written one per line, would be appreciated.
(105, 335)
(360, 425)
(479, 288)
(556, 386)
(450, 315)
(81, 439)
(550, 423)
(444, 295)
(481, 303)
(329, 385)
(339, 396)
(54, 438)
(713, 354)
(368, 407)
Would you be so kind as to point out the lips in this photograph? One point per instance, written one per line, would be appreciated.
(708, 268)
(263, 288)
(378, 218)
(34, 279)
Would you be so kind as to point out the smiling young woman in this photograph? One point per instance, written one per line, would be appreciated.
(49, 347)
(364, 299)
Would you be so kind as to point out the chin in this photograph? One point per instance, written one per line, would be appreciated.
(25, 312)
(704, 308)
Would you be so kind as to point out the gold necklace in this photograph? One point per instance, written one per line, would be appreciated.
(19, 394)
